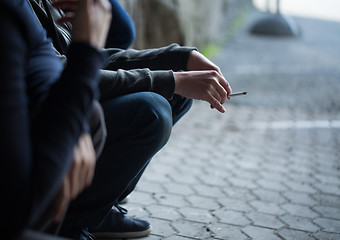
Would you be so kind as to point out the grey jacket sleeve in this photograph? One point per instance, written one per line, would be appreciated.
(117, 83)
(130, 71)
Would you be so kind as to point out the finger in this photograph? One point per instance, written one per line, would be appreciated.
(221, 85)
(74, 175)
(92, 159)
(226, 86)
(222, 93)
(84, 162)
(214, 103)
(215, 92)
(66, 4)
(61, 201)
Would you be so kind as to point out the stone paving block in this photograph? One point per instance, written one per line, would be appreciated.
(305, 181)
(328, 179)
(275, 163)
(150, 187)
(299, 198)
(247, 175)
(214, 180)
(329, 200)
(269, 196)
(260, 233)
(188, 169)
(326, 236)
(243, 183)
(176, 237)
(300, 186)
(264, 220)
(239, 193)
(231, 217)
(168, 161)
(272, 185)
(192, 229)
(234, 204)
(302, 168)
(203, 202)
(150, 237)
(250, 163)
(178, 188)
(170, 200)
(289, 234)
(267, 207)
(161, 227)
(142, 197)
(300, 210)
(273, 176)
(163, 212)
(328, 188)
(299, 223)
(183, 178)
(217, 172)
(329, 212)
(208, 191)
(328, 152)
(136, 210)
(328, 225)
(197, 215)
(224, 162)
(155, 176)
(226, 232)
(328, 168)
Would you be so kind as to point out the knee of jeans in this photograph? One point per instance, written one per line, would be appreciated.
(159, 114)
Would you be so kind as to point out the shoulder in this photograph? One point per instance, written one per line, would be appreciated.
(18, 14)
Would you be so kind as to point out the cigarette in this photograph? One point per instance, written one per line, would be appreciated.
(237, 94)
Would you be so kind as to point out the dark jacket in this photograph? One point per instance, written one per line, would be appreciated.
(128, 71)
(44, 107)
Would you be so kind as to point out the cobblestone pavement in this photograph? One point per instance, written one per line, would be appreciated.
(269, 168)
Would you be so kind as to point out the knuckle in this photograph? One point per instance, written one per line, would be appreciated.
(214, 73)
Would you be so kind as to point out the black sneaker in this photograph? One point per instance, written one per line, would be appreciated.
(118, 225)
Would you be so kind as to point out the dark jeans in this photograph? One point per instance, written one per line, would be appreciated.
(138, 126)
(122, 30)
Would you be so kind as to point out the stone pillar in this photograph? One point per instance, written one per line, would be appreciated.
(187, 22)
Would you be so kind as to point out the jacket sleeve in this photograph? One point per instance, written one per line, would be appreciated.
(36, 153)
(130, 71)
(117, 83)
(172, 57)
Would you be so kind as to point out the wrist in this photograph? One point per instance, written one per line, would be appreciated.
(191, 60)
(179, 76)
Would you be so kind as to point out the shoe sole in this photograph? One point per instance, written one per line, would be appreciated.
(117, 235)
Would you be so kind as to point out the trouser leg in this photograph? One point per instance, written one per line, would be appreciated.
(179, 106)
(138, 126)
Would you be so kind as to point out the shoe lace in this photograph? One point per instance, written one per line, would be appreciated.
(88, 235)
(121, 209)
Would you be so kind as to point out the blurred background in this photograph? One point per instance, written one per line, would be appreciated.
(189, 22)
(269, 168)
(200, 22)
